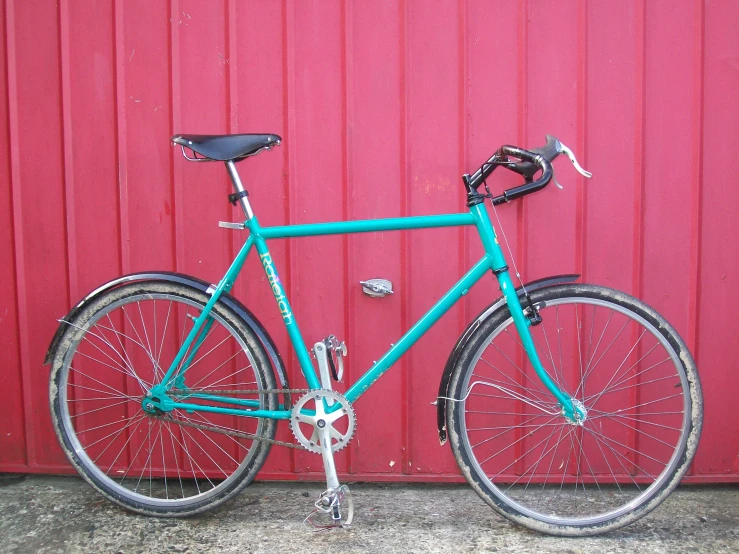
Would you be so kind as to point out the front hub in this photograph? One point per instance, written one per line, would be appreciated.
(580, 413)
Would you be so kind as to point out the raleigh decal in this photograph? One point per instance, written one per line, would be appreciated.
(277, 290)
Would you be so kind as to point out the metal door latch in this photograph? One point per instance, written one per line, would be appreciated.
(377, 287)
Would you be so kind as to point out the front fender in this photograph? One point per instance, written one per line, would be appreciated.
(465, 337)
(249, 319)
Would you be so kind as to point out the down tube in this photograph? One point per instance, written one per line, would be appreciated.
(416, 332)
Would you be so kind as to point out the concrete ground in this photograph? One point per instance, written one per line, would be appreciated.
(63, 514)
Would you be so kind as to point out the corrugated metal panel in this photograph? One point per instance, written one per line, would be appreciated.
(383, 106)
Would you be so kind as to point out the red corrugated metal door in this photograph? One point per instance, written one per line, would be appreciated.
(382, 107)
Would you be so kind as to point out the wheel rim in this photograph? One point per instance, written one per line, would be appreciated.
(631, 442)
(112, 362)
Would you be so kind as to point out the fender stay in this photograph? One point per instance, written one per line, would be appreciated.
(467, 334)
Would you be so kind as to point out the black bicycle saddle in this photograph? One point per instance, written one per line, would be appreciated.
(226, 147)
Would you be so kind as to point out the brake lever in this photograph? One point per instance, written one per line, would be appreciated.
(563, 149)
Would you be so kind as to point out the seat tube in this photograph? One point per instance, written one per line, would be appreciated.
(239, 188)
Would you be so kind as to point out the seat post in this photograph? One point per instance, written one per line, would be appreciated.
(243, 195)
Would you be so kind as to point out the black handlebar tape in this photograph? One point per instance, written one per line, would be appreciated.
(536, 160)
(528, 167)
(549, 151)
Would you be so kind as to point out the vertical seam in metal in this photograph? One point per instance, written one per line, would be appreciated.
(24, 356)
(175, 119)
(347, 77)
(639, 168)
(120, 124)
(697, 185)
(232, 102)
(580, 191)
(640, 146)
(289, 117)
(462, 138)
(405, 304)
(582, 127)
(522, 140)
(697, 188)
(523, 67)
(67, 154)
(639, 142)
(230, 60)
(120, 144)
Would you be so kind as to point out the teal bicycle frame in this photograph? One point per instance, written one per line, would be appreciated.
(493, 260)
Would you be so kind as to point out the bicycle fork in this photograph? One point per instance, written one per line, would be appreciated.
(571, 409)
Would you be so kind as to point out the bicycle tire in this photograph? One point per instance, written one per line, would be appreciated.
(113, 351)
(640, 433)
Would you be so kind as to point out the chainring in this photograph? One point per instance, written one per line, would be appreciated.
(315, 410)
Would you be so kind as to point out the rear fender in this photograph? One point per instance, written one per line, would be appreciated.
(249, 319)
(469, 331)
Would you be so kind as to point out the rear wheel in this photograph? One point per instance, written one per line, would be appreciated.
(170, 463)
(619, 360)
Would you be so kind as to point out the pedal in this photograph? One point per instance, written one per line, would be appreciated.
(335, 503)
(330, 353)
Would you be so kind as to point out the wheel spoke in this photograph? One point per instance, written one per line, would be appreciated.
(642, 421)
(549, 349)
(98, 409)
(195, 362)
(536, 427)
(134, 420)
(510, 445)
(175, 456)
(125, 444)
(610, 389)
(536, 462)
(140, 342)
(554, 367)
(641, 431)
(603, 355)
(622, 445)
(513, 381)
(108, 395)
(622, 362)
(223, 428)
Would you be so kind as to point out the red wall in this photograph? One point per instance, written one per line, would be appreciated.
(382, 105)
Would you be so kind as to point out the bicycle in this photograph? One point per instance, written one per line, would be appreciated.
(571, 409)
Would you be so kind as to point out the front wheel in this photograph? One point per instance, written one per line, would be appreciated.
(629, 371)
(164, 463)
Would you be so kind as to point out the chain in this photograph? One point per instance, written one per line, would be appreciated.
(231, 433)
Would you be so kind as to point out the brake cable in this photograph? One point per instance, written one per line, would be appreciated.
(533, 315)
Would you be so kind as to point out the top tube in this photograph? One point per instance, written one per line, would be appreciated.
(361, 226)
